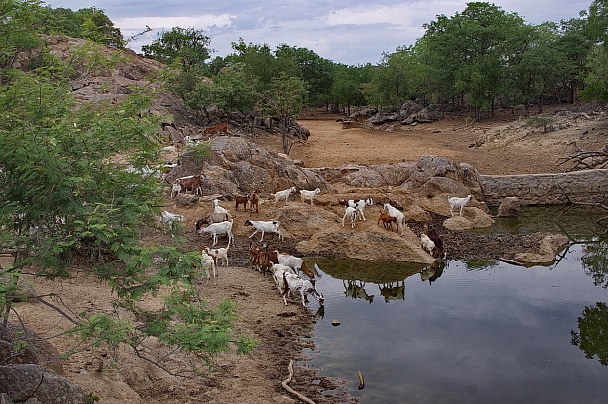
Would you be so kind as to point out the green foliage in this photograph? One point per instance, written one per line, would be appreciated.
(284, 99)
(539, 121)
(18, 30)
(596, 79)
(73, 192)
(234, 89)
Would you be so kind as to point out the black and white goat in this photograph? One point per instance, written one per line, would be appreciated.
(293, 283)
(351, 213)
(359, 204)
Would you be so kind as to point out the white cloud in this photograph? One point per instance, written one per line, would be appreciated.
(356, 32)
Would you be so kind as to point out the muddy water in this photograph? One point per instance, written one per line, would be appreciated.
(468, 332)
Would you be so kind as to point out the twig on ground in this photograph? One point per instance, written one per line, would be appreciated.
(292, 391)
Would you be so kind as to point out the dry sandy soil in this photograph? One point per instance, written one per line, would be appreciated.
(494, 146)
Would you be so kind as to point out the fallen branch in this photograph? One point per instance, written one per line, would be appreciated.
(292, 391)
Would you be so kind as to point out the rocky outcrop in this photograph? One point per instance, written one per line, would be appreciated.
(238, 166)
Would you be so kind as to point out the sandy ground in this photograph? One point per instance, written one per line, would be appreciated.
(492, 146)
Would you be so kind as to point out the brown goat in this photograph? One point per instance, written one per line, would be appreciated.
(387, 220)
(438, 251)
(241, 200)
(254, 200)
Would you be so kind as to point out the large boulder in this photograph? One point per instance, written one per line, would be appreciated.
(509, 207)
(434, 175)
(29, 381)
(547, 250)
(471, 218)
(368, 246)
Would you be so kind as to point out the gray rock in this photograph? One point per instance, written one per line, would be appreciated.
(23, 382)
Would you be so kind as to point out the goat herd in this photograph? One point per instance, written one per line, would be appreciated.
(285, 267)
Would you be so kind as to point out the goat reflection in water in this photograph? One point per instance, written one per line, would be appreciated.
(355, 290)
(432, 272)
(393, 290)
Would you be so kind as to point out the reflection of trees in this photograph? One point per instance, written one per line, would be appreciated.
(595, 263)
(476, 265)
(592, 337)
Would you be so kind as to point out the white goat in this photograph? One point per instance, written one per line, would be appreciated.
(175, 189)
(427, 244)
(207, 263)
(265, 227)
(360, 204)
(168, 218)
(293, 283)
(217, 208)
(305, 194)
(396, 213)
(218, 253)
(351, 213)
(283, 194)
(458, 203)
(220, 228)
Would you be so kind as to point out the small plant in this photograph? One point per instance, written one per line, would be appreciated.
(538, 121)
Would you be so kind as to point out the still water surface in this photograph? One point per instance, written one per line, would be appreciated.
(469, 332)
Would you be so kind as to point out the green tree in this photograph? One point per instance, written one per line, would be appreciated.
(283, 102)
(596, 80)
(316, 72)
(258, 61)
(18, 27)
(234, 89)
(186, 47)
(348, 86)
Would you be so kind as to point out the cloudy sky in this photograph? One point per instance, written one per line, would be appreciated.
(353, 32)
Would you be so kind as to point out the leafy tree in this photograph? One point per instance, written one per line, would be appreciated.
(284, 101)
(18, 33)
(258, 61)
(596, 80)
(316, 72)
(186, 47)
(347, 88)
(89, 23)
